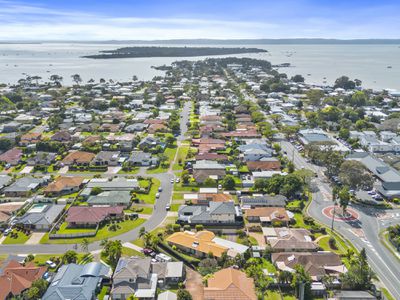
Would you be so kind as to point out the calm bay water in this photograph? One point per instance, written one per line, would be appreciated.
(317, 63)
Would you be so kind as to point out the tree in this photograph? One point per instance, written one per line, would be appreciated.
(207, 266)
(32, 293)
(260, 184)
(276, 118)
(85, 245)
(142, 231)
(96, 190)
(297, 78)
(315, 96)
(345, 83)
(228, 182)
(344, 198)
(70, 257)
(354, 174)
(37, 289)
(359, 275)
(301, 276)
(183, 295)
(209, 182)
(185, 177)
(112, 251)
(76, 78)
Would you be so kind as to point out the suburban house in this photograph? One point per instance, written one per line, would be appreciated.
(7, 210)
(30, 138)
(78, 158)
(74, 281)
(15, 278)
(114, 184)
(133, 276)
(269, 216)
(271, 164)
(24, 186)
(140, 158)
(317, 264)
(141, 277)
(206, 198)
(230, 283)
(5, 180)
(44, 159)
(12, 156)
(263, 201)
(150, 142)
(111, 198)
(216, 213)
(40, 217)
(204, 169)
(88, 216)
(62, 136)
(289, 239)
(107, 158)
(255, 152)
(64, 185)
(203, 242)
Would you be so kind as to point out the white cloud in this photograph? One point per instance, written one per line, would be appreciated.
(23, 21)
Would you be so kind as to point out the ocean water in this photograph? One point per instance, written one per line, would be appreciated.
(317, 63)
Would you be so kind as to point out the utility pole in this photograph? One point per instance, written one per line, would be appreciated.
(334, 193)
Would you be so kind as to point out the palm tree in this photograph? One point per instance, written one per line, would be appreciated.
(76, 78)
(85, 245)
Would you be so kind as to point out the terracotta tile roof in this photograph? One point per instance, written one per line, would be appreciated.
(272, 213)
(7, 209)
(11, 155)
(91, 215)
(264, 165)
(16, 278)
(62, 183)
(31, 137)
(230, 284)
(207, 141)
(93, 139)
(200, 241)
(153, 121)
(62, 135)
(156, 127)
(213, 197)
(78, 157)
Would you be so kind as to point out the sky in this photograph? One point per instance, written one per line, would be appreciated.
(194, 19)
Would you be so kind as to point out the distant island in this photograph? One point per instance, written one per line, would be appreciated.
(133, 52)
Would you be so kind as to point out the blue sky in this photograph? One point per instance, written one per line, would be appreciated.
(174, 19)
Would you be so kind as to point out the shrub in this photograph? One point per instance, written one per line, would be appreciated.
(199, 227)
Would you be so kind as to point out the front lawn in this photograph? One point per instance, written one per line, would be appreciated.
(181, 156)
(64, 230)
(151, 196)
(102, 234)
(20, 239)
(170, 153)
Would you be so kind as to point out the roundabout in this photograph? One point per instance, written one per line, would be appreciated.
(350, 215)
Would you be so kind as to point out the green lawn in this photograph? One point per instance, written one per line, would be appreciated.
(131, 252)
(151, 196)
(21, 239)
(177, 196)
(102, 234)
(179, 188)
(170, 153)
(104, 291)
(175, 207)
(134, 170)
(64, 230)
(181, 156)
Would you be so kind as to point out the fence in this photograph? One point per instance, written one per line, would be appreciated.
(73, 235)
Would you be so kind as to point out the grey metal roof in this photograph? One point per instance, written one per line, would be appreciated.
(25, 184)
(119, 183)
(277, 200)
(46, 217)
(110, 197)
(76, 282)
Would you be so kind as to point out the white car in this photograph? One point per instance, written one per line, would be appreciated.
(51, 264)
(7, 231)
(158, 195)
(177, 180)
(172, 181)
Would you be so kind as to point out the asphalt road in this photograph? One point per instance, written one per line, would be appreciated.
(158, 216)
(363, 233)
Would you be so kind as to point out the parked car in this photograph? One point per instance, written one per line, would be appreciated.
(177, 180)
(149, 252)
(157, 195)
(172, 181)
(168, 207)
(51, 264)
(160, 189)
(7, 231)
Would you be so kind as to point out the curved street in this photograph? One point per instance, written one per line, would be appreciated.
(158, 216)
(363, 232)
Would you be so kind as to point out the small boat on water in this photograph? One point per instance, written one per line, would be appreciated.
(389, 67)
